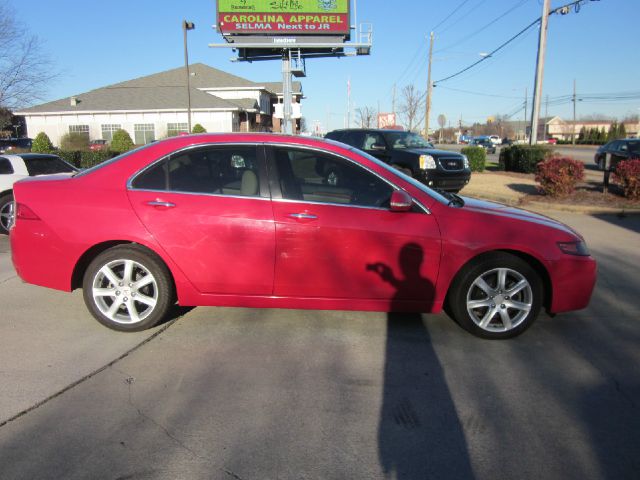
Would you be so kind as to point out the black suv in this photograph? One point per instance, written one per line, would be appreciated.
(617, 151)
(410, 153)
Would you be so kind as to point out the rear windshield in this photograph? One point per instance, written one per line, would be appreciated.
(47, 165)
(634, 147)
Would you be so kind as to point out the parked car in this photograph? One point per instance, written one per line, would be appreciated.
(411, 154)
(507, 141)
(270, 221)
(98, 144)
(17, 167)
(495, 139)
(484, 143)
(10, 144)
(617, 150)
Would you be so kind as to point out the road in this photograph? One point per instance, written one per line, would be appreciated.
(289, 394)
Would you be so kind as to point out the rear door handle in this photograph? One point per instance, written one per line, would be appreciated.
(158, 203)
(303, 216)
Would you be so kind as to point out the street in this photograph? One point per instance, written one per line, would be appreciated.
(290, 394)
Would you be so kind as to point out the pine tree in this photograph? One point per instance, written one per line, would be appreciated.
(42, 144)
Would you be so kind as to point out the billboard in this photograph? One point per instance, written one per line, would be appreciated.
(386, 120)
(283, 17)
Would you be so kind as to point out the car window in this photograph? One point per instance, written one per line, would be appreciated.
(228, 170)
(316, 177)
(5, 166)
(634, 147)
(46, 165)
(354, 138)
(371, 139)
(404, 140)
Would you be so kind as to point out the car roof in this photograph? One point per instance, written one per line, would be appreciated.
(29, 156)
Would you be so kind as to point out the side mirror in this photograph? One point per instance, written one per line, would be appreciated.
(400, 201)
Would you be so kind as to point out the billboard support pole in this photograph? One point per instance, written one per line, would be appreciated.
(287, 98)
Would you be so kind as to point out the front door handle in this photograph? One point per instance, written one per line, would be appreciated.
(303, 216)
(158, 203)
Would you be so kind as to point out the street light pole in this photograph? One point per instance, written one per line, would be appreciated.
(537, 93)
(187, 26)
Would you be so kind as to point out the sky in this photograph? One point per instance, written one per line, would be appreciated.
(93, 45)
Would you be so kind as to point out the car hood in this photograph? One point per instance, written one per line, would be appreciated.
(493, 208)
(431, 151)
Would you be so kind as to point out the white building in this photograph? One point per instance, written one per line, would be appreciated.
(155, 107)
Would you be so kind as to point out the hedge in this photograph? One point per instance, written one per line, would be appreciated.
(523, 158)
(86, 158)
(627, 174)
(477, 158)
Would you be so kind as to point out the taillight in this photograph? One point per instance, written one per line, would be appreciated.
(25, 213)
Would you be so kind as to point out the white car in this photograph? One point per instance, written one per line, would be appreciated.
(19, 166)
(495, 139)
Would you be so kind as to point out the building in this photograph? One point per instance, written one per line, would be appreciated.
(155, 106)
(565, 129)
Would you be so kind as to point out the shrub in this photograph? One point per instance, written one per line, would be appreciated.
(523, 158)
(86, 158)
(42, 144)
(477, 158)
(627, 174)
(74, 141)
(197, 128)
(121, 141)
(558, 176)
(74, 157)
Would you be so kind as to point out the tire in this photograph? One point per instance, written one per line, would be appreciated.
(497, 297)
(6, 212)
(113, 297)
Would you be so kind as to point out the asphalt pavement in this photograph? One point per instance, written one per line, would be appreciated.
(290, 394)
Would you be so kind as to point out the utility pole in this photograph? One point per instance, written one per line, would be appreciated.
(186, 26)
(546, 117)
(429, 86)
(573, 137)
(537, 92)
(348, 102)
(526, 101)
(393, 100)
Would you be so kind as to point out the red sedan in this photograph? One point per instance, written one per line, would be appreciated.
(260, 220)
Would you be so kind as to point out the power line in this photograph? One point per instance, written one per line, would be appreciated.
(477, 93)
(535, 22)
(465, 15)
(451, 14)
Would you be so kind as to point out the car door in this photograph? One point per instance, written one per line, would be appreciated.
(209, 209)
(338, 239)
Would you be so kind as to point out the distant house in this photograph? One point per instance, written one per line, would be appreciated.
(566, 129)
(155, 106)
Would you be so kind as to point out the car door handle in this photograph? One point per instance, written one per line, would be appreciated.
(303, 216)
(158, 203)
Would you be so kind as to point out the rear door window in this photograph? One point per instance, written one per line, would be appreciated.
(46, 165)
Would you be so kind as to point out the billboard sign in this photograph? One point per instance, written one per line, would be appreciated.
(386, 120)
(283, 17)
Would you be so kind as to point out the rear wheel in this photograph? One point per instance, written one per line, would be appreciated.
(127, 288)
(6, 212)
(497, 297)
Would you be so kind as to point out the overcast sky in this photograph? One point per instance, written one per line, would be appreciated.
(95, 44)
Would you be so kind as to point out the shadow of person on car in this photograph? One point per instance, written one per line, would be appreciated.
(419, 432)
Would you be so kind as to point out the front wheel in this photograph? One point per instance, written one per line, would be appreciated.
(127, 288)
(497, 297)
(6, 212)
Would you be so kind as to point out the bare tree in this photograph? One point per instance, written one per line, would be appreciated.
(412, 107)
(24, 67)
(366, 117)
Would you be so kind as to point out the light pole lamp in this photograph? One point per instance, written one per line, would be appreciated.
(185, 27)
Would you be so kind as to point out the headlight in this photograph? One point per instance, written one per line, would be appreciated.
(427, 162)
(574, 248)
(466, 161)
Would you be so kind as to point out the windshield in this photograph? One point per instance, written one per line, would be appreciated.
(634, 147)
(404, 140)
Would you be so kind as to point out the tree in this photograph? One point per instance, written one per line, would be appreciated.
(121, 141)
(24, 67)
(197, 128)
(412, 107)
(42, 144)
(366, 117)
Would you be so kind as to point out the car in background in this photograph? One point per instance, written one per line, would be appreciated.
(411, 154)
(506, 141)
(617, 150)
(495, 139)
(483, 142)
(96, 145)
(18, 166)
(10, 144)
(256, 220)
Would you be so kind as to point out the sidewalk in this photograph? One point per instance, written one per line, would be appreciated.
(513, 190)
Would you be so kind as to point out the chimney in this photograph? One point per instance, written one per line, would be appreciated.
(74, 101)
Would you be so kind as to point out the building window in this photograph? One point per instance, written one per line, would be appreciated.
(144, 133)
(81, 129)
(174, 129)
(108, 129)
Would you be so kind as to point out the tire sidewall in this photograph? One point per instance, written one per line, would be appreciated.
(150, 262)
(461, 285)
(4, 200)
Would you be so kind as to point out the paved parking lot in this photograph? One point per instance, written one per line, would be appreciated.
(289, 394)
